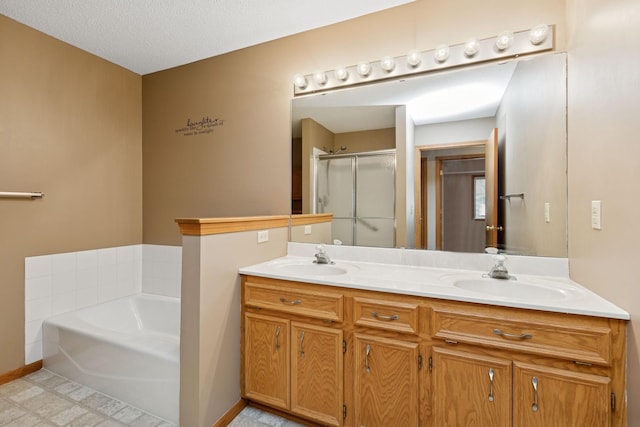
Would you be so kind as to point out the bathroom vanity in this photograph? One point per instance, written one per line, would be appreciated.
(365, 344)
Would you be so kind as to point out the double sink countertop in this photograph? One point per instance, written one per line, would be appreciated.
(535, 292)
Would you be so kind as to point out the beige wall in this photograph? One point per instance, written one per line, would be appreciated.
(70, 126)
(532, 137)
(604, 159)
(243, 167)
(314, 135)
(320, 233)
(210, 329)
(368, 140)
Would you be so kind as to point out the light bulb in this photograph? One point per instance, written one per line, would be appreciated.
(300, 81)
(471, 47)
(364, 69)
(341, 73)
(320, 77)
(538, 34)
(414, 58)
(441, 53)
(504, 40)
(388, 64)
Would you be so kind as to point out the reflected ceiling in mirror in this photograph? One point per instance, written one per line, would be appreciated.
(525, 100)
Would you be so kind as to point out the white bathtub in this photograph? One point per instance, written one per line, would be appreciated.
(128, 348)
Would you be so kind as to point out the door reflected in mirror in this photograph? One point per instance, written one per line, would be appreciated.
(436, 203)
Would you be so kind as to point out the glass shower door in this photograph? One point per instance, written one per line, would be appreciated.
(335, 194)
(375, 200)
(359, 189)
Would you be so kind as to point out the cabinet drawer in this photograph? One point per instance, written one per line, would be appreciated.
(315, 304)
(390, 315)
(549, 334)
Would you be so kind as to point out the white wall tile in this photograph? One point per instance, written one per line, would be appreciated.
(107, 256)
(107, 275)
(107, 293)
(86, 297)
(63, 282)
(87, 259)
(32, 352)
(124, 254)
(87, 278)
(62, 303)
(63, 263)
(37, 287)
(37, 309)
(33, 331)
(37, 266)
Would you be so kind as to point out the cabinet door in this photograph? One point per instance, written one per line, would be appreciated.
(549, 397)
(316, 373)
(386, 382)
(470, 389)
(266, 360)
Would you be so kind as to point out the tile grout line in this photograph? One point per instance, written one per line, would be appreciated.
(50, 383)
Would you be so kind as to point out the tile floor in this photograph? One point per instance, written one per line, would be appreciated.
(252, 417)
(45, 399)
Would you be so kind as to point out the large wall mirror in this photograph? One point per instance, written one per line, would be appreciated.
(458, 160)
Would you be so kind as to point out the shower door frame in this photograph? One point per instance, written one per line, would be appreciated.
(354, 185)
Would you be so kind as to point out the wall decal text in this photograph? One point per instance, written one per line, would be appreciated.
(203, 126)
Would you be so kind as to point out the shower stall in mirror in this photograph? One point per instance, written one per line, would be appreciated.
(359, 189)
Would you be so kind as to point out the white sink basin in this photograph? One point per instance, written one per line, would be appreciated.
(312, 269)
(515, 289)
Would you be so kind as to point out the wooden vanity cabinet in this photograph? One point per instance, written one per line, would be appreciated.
(560, 397)
(386, 385)
(386, 360)
(559, 370)
(266, 360)
(290, 362)
(355, 358)
(470, 389)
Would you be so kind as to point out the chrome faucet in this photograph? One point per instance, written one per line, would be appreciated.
(321, 256)
(499, 270)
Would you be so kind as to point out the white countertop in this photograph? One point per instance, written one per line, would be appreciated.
(557, 294)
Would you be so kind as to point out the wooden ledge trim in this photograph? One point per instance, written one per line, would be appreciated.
(20, 372)
(233, 412)
(305, 219)
(208, 226)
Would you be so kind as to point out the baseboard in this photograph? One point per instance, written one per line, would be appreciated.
(226, 419)
(20, 372)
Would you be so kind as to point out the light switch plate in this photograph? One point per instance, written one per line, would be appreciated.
(596, 214)
(547, 212)
(263, 236)
(307, 229)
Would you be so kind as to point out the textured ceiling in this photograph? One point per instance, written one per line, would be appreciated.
(145, 36)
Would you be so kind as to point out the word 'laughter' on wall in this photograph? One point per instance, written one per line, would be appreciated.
(203, 126)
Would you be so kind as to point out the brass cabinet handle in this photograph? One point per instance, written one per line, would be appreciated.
(514, 336)
(366, 358)
(277, 338)
(301, 341)
(290, 302)
(384, 317)
(534, 383)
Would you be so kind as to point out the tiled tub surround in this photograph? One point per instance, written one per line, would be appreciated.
(64, 282)
(127, 348)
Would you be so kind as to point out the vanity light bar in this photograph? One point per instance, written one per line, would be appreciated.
(506, 45)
